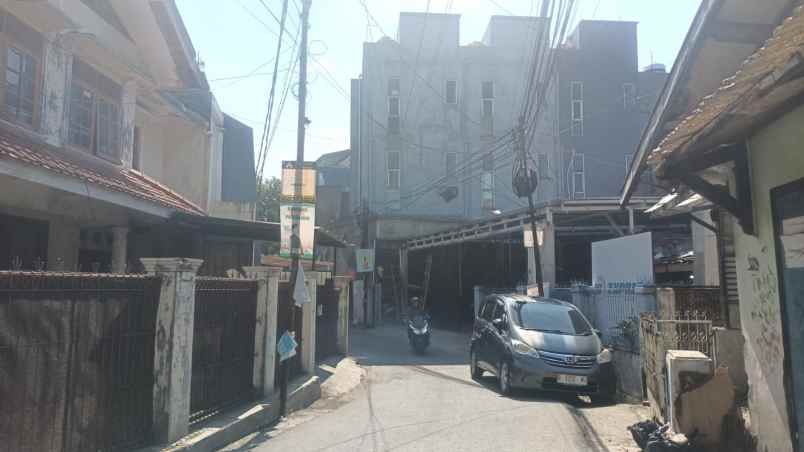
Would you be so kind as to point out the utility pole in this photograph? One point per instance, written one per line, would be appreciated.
(525, 181)
(302, 126)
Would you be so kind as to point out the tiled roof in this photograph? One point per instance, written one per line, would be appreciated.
(744, 96)
(125, 181)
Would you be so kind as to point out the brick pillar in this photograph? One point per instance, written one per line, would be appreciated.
(265, 331)
(173, 353)
(309, 315)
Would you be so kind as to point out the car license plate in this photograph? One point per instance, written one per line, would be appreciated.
(572, 380)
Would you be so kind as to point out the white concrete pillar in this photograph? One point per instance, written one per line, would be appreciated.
(173, 354)
(119, 249)
(128, 118)
(265, 331)
(309, 315)
(342, 283)
(547, 250)
(57, 72)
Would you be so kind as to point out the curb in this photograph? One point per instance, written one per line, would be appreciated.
(228, 427)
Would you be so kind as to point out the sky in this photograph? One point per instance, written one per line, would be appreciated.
(237, 39)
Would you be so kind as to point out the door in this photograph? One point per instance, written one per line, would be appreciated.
(788, 212)
(497, 337)
(482, 325)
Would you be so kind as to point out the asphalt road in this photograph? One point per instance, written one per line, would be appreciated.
(428, 403)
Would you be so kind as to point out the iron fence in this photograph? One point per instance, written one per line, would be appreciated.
(76, 361)
(700, 302)
(223, 345)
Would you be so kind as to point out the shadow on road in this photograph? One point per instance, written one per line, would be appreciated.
(387, 345)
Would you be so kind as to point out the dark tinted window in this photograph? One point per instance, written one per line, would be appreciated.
(498, 311)
(488, 309)
(550, 317)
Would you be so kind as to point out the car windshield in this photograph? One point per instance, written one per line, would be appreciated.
(550, 318)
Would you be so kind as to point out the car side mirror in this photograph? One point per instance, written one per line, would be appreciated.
(499, 323)
(596, 331)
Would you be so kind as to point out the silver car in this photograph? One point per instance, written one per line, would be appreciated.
(540, 343)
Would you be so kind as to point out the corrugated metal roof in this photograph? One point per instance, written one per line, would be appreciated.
(749, 93)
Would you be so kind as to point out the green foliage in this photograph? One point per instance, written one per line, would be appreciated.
(268, 200)
(268, 194)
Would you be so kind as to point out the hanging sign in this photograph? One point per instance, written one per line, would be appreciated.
(304, 179)
(298, 230)
(365, 260)
(527, 236)
(297, 210)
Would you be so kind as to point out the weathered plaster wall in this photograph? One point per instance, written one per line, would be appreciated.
(775, 157)
(232, 210)
(185, 161)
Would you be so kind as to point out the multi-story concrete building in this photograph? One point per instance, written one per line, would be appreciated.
(427, 110)
(604, 103)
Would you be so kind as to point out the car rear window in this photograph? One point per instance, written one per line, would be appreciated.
(550, 318)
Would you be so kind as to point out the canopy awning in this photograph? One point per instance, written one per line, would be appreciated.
(253, 230)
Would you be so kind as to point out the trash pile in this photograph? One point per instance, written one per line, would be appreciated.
(652, 437)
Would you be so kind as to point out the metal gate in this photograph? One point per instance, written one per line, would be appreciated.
(326, 342)
(76, 361)
(223, 345)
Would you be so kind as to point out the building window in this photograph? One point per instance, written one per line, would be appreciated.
(393, 105)
(20, 85)
(393, 171)
(487, 99)
(544, 167)
(95, 119)
(487, 191)
(576, 93)
(451, 92)
(21, 46)
(629, 96)
(136, 153)
(451, 163)
(393, 86)
(578, 176)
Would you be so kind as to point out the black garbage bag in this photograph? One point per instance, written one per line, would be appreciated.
(641, 432)
(658, 441)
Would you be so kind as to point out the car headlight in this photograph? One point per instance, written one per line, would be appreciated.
(524, 349)
(604, 356)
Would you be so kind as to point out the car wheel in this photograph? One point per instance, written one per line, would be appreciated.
(474, 370)
(505, 379)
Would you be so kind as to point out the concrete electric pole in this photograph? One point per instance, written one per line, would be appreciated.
(302, 126)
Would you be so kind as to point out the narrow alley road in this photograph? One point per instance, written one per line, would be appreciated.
(429, 403)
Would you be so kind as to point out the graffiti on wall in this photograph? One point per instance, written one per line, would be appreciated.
(765, 311)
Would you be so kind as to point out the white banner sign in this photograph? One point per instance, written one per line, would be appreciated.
(299, 240)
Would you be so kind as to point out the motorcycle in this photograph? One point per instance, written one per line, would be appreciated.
(419, 333)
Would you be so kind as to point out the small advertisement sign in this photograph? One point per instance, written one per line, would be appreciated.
(290, 180)
(365, 260)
